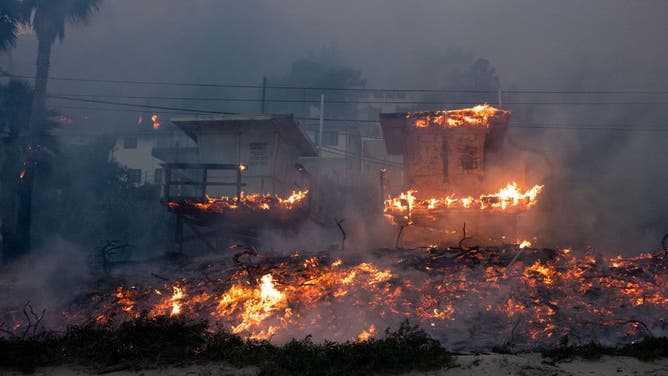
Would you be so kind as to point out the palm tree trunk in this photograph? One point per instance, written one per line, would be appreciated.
(9, 154)
(32, 143)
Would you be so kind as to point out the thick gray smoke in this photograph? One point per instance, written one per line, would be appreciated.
(606, 186)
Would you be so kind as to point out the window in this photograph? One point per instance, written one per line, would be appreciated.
(468, 158)
(330, 138)
(130, 142)
(157, 176)
(134, 176)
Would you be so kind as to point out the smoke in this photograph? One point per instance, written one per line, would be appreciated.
(605, 186)
(48, 278)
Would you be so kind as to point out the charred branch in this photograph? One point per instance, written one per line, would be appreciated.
(33, 320)
(343, 233)
(401, 230)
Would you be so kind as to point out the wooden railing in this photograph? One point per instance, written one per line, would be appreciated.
(203, 183)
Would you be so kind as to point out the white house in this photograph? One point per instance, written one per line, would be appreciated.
(139, 151)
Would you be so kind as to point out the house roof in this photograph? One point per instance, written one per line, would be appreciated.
(286, 125)
(395, 125)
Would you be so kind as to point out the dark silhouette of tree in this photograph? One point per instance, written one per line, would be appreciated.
(480, 75)
(478, 83)
(9, 21)
(48, 19)
(324, 69)
(15, 105)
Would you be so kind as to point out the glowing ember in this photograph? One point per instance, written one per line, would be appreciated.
(525, 244)
(543, 298)
(543, 295)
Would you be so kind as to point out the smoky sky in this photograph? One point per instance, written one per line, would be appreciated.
(542, 45)
(533, 44)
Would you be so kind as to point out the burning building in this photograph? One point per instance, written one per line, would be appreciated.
(248, 175)
(448, 159)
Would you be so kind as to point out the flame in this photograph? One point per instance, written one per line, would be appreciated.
(540, 298)
(479, 115)
(525, 244)
(255, 201)
(406, 204)
(366, 334)
(155, 119)
(22, 174)
(124, 299)
(255, 305)
(177, 295)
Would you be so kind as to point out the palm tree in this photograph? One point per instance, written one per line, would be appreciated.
(8, 23)
(47, 18)
(15, 105)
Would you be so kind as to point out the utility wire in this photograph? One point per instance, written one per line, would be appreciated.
(371, 90)
(142, 105)
(252, 100)
(369, 159)
(608, 127)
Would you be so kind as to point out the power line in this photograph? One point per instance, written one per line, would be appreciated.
(369, 159)
(252, 100)
(143, 106)
(99, 109)
(545, 126)
(370, 90)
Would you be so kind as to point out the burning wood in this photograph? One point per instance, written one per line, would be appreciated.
(476, 116)
(252, 202)
(536, 298)
(403, 208)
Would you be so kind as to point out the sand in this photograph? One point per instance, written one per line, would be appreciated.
(491, 364)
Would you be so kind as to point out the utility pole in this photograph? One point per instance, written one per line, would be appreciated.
(264, 93)
(500, 98)
(322, 118)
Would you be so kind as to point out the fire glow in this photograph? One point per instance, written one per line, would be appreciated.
(255, 201)
(476, 116)
(156, 121)
(545, 297)
(509, 197)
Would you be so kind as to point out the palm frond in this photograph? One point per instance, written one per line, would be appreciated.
(80, 11)
(48, 17)
(9, 19)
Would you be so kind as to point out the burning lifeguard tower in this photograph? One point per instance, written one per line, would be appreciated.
(448, 156)
(248, 177)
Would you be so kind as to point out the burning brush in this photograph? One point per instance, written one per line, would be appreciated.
(469, 299)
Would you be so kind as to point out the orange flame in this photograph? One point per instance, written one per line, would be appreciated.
(255, 201)
(550, 296)
(511, 196)
(177, 295)
(476, 116)
(155, 119)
